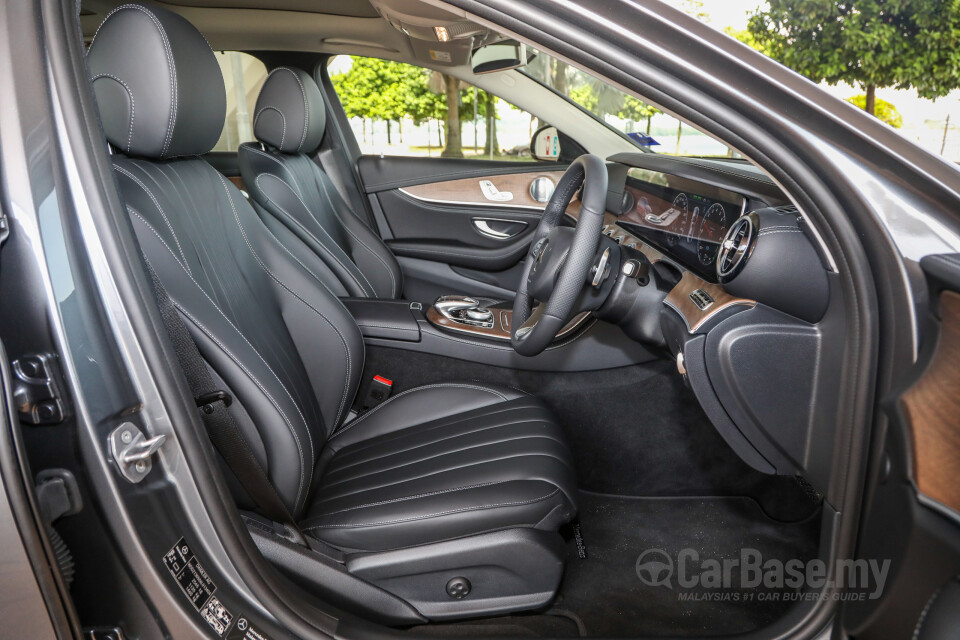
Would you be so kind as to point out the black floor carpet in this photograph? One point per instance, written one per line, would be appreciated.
(605, 591)
(634, 431)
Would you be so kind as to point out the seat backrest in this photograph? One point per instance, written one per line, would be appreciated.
(289, 189)
(278, 340)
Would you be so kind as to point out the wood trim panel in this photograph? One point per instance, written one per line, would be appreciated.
(467, 190)
(932, 409)
(680, 301)
(237, 182)
(501, 324)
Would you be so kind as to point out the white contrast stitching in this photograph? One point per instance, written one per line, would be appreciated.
(350, 425)
(156, 203)
(254, 349)
(133, 104)
(346, 349)
(283, 120)
(310, 213)
(416, 497)
(306, 107)
(393, 282)
(434, 515)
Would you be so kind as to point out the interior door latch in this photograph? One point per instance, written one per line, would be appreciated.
(133, 452)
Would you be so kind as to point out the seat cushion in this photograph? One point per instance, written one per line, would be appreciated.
(477, 459)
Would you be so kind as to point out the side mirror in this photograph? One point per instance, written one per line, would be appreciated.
(501, 56)
(545, 144)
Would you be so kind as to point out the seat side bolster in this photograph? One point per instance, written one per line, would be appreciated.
(367, 249)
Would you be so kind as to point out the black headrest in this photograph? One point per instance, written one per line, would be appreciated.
(157, 83)
(290, 114)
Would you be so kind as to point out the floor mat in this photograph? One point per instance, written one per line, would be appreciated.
(606, 590)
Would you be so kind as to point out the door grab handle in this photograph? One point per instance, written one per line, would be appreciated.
(483, 226)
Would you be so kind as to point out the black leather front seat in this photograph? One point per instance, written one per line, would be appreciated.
(441, 482)
(292, 190)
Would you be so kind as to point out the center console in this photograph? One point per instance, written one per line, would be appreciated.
(468, 328)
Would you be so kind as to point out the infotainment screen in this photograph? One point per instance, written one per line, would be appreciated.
(687, 220)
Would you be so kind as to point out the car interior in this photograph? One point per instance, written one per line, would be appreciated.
(472, 396)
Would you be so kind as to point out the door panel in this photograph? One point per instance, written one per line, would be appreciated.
(473, 220)
(913, 516)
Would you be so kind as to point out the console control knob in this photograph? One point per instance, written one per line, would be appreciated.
(479, 315)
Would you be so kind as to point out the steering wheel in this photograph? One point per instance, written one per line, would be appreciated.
(557, 268)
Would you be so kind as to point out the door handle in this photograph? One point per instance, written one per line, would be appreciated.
(501, 231)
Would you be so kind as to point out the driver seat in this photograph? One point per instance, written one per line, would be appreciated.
(446, 498)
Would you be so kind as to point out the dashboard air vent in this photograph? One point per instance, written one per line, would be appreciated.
(736, 248)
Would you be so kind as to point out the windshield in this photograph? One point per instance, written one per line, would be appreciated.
(645, 125)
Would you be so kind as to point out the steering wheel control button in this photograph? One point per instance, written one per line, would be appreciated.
(458, 588)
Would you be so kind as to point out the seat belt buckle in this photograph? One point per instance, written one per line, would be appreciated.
(379, 391)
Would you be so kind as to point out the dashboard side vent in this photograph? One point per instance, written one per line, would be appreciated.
(736, 248)
(790, 208)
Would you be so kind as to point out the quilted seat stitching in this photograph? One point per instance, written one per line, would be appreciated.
(445, 451)
(354, 451)
(451, 469)
(433, 515)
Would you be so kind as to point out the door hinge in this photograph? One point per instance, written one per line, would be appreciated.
(133, 452)
(36, 389)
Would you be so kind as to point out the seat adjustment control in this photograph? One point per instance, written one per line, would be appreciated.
(458, 588)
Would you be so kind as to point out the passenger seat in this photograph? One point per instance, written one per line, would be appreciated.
(293, 195)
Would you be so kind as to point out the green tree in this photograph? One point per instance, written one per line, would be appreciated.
(376, 89)
(634, 110)
(869, 43)
(391, 91)
(884, 110)
(586, 97)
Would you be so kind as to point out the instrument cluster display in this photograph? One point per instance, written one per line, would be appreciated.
(685, 219)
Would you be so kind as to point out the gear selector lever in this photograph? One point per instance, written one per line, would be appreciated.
(464, 310)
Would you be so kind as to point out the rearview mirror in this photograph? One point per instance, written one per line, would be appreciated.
(545, 144)
(501, 56)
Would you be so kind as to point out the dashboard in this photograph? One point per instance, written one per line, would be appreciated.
(743, 285)
(685, 219)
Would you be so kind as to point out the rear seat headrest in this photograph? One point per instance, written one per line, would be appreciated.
(290, 114)
(157, 83)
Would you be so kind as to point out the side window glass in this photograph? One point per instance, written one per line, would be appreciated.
(403, 110)
(243, 75)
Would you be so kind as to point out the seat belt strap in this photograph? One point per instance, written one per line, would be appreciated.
(221, 427)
